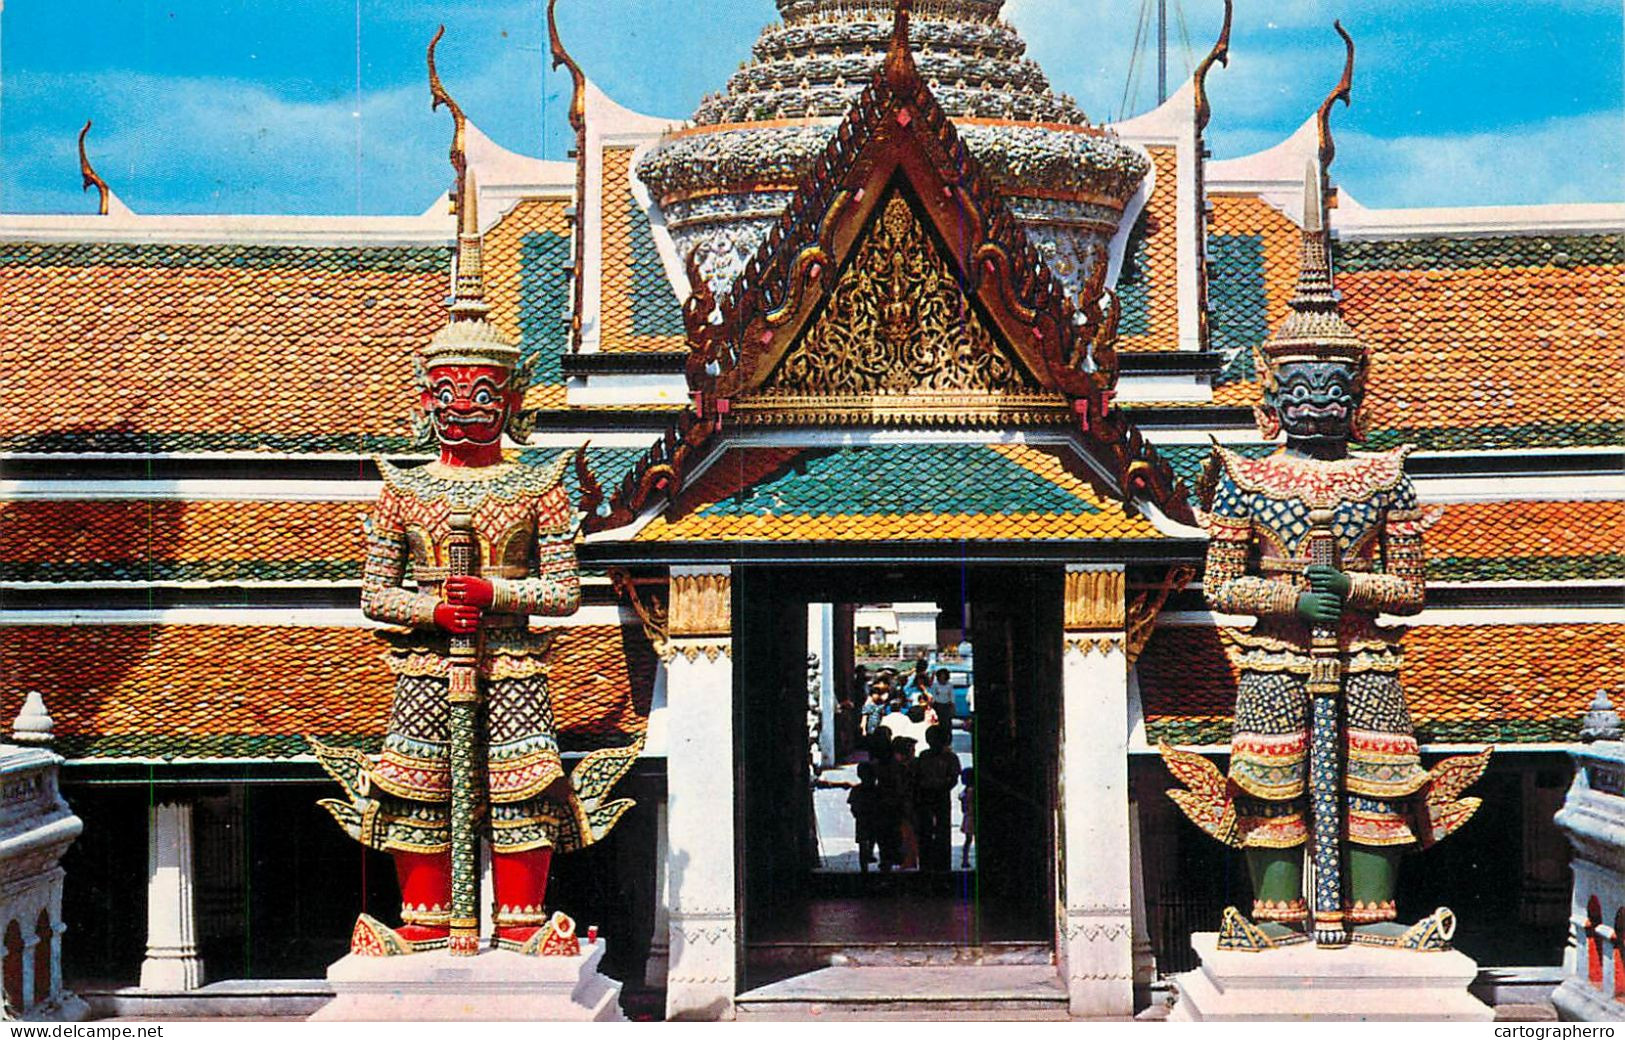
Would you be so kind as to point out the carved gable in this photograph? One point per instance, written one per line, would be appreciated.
(897, 336)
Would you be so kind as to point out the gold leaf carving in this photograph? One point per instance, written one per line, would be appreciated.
(700, 605)
(897, 324)
(1094, 600)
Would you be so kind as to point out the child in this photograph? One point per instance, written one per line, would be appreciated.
(864, 801)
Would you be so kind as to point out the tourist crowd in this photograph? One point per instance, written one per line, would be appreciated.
(901, 738)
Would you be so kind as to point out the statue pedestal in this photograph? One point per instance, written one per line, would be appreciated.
(495, 986)
(1305, 983)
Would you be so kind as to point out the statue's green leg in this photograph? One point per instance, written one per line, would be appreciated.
(1277, 877)
(1373, 879)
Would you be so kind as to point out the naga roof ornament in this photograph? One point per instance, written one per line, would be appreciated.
(1314, 329)
(467, 338)
(578, 123)
(91, 177)
(1220, 54)
(722, 182)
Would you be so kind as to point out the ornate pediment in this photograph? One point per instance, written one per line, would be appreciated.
(897, 338)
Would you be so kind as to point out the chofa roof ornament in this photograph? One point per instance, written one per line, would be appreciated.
(467, 338)
(91, 177)
(1314, 330)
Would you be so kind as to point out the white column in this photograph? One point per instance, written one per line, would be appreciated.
(172, 959)
(1097, 950)
(702, 980)
(659, 963)
(821, 641)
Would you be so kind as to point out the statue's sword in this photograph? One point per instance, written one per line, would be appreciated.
(1326, 753)
(463, 700)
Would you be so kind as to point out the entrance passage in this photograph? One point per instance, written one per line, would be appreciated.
(896, 828)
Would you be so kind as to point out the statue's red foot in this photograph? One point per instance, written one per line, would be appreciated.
(373, 938)
(557, 938)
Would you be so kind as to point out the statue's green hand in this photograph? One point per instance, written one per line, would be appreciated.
(1320, 608)
(1328, 579)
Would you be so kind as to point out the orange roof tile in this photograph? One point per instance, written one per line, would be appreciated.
(637, 309)
(174, 691)
(1151, 306)
(173, 347)
(1497, 683)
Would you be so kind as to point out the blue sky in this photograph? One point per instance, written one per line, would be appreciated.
(294, 106)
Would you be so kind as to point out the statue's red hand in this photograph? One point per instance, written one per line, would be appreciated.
(457, 618)
(469, 591)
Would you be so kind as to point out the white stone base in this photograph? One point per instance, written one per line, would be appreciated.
(1304, 983)
(1577, 1001)
(494, 986)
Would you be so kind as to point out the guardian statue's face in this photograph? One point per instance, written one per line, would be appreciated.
(1316, 401)
(469, 404)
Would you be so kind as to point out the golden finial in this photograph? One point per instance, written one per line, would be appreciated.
(437, 90)
(1342, 92)
(91, 176)
(578, 80)
(1220, 54)
(899, 59)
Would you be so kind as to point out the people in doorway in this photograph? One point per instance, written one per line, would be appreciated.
(942, 695)
(899, 787)
(874, 709)
(936, 776)
(868, 812)
(920, 680)
(846, 728)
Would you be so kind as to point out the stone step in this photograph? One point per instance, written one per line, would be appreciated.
(769, 957)
(961, 991)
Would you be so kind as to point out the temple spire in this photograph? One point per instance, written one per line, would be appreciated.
(1314, 329)
(899, 57)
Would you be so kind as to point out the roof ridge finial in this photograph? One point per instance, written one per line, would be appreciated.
(899, 64)
(468, 277)
(1342, 92)
(578, 79)
(437, 91)
(90, 175)
(1220, 54)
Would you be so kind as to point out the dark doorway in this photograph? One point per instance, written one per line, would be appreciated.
(801, 909)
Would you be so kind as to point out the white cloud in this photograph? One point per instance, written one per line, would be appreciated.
(1573, 159)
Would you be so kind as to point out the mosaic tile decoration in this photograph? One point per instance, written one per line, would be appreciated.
(904, 492)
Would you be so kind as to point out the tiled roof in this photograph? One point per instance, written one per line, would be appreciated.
(181, 541)
(1148, 284)
(191, 347)
(1492, 356)
(1527, 541)
(527, 260)
(1504, 684)
(638, 310)
(1477, 343)
(895, 492)
(194, 691)
(167, 540)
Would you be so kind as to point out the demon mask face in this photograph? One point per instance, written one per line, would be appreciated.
(469, 404)
(1313, 402)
